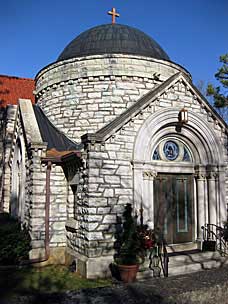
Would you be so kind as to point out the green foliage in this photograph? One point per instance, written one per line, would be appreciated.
(14, 241)
(220, 93)
(49, 279)
(225, 231)
(131, 251)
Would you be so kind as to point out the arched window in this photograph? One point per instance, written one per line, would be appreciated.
(173, 150)
(18, 182)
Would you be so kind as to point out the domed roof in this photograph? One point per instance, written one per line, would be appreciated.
(112, 39)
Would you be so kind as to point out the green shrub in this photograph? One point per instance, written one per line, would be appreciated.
(14, 241)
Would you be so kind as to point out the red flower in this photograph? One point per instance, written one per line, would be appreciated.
(148, 243)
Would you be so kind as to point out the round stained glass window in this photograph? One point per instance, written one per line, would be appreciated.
(171, 150)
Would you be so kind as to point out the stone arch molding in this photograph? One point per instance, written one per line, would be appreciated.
(207, 166)
(197, 134)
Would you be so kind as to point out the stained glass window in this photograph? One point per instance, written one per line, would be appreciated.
(156, 155)
(171, 150)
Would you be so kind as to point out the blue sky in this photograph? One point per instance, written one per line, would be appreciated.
(34, 32)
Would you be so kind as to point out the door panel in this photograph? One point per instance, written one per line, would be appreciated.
(173, 207)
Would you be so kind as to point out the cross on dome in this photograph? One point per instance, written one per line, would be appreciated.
(114, 15)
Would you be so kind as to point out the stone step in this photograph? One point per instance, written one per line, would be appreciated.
(187, 263)
(182, 247)
(193, 257)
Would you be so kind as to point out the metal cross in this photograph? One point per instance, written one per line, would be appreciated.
(114, 15)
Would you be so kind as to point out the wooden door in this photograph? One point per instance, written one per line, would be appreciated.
(173, 205)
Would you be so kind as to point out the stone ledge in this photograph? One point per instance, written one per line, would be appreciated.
(71, 225)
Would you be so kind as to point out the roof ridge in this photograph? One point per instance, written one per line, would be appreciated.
(17, 77)
(62, 141)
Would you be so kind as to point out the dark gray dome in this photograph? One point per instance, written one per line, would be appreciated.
(112, 39)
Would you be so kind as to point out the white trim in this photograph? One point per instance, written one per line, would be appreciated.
(206, 151)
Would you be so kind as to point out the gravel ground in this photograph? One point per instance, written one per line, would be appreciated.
(209, 286)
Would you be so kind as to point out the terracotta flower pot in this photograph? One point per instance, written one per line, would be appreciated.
(128, 273)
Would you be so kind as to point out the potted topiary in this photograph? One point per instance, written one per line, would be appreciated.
(225, 231)
(130, 251)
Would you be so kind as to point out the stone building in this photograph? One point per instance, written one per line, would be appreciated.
(115, 122)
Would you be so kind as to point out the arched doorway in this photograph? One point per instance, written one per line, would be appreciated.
(179, 175)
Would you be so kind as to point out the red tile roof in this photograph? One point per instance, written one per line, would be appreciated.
(12, 88)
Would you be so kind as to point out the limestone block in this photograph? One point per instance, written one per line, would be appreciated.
(103, 227)
(123, 191)
(92, 187)
(119, 208)
(57, 93)
(36, 221)
(94, 236)
(92, 226)
(112, 147)
(124, 170)
(58, 238)
(109, 219)
(94, 218)
(67, 113)
(38, 189)
(38, 212)
(94, 95)
(124, 155)
(118, 111)
(92, 210)
(93, 172)
(62, 207)
(95, 163)
(58, 190)
(107, 171)
(59, 226)
(112, 155)
(108, 193)
(92, 107)
(103, 210)
(112, 201)
(94, 252)
(129, 146)
(126, 182)
(39, 201)
(100, 155)
(125, 85)
(37, 244)
(109, 166)
(109, 236)
(72, 224)
(97, 201)
(95, 194)
(101, 87)
(125, 199)
(37, 253)
(85, 115)
(112, 179)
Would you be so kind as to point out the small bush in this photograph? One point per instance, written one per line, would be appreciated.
(14, 241)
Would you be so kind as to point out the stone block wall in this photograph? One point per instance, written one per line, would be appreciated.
(109, 184)
(81, 95)
(35, 199)
(59, 214)
(58, 207)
